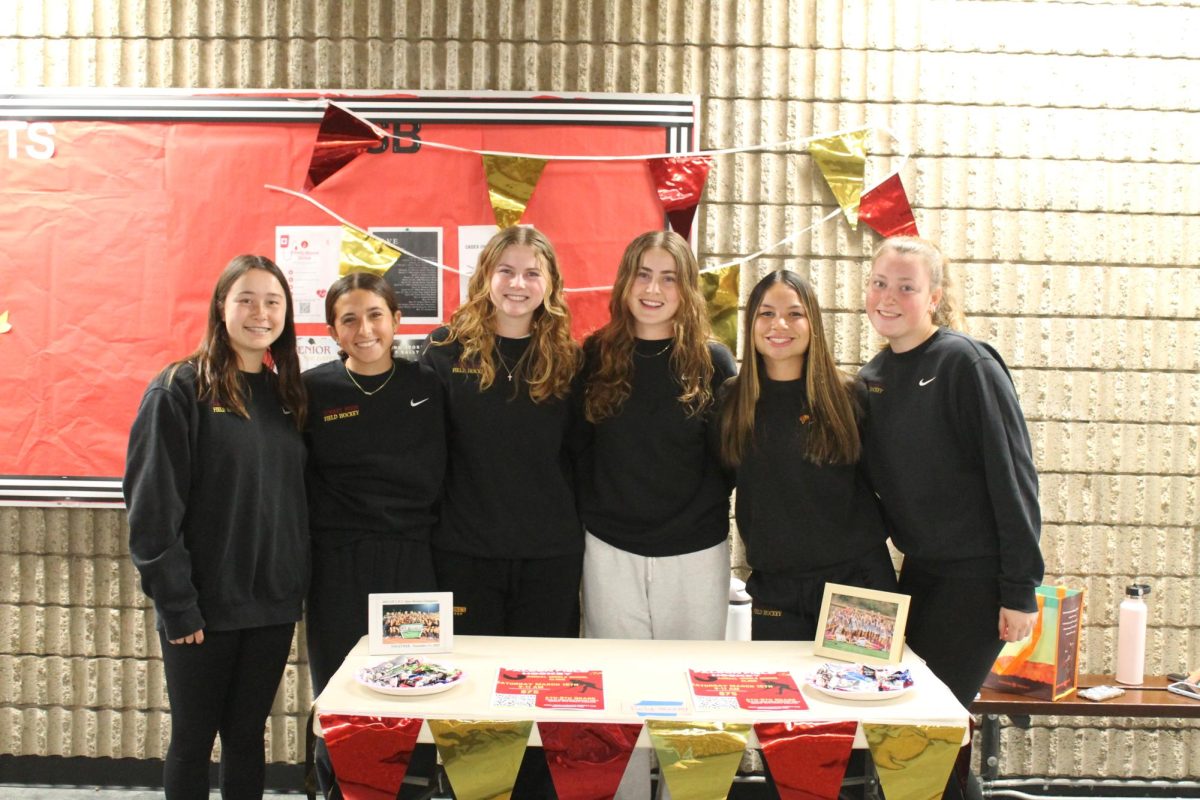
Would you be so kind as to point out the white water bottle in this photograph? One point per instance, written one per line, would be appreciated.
(737, 624)
(1131, 635)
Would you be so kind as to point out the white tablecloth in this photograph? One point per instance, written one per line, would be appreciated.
(634, 670)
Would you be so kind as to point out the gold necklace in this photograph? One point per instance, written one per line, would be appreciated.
(665, 348)
(378, 388)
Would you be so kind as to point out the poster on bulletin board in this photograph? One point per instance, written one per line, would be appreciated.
(118, 209)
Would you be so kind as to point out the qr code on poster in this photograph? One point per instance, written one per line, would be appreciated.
(716, 703)
(305, 306)
(513, 701)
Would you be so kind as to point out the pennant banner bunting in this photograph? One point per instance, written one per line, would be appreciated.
(843, 160)
(698, 759)
(885, 208)
(807, 759)
(511, 181)
(481, 757)
(370, 754)
(361, 252)
(720, 288)
(913, 761)
(679, 182)
(587, 759)
(341, 138)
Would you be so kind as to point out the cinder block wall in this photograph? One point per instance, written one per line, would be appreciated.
(1054, 156)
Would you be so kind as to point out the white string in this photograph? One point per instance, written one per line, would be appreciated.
(548, 157)
(349, 224)
(902, 147)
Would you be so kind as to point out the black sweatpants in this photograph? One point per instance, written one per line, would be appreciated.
(343, 576)
(788, 605)
(225, 685)
(515, 597)
(953, 624)
(512, 596)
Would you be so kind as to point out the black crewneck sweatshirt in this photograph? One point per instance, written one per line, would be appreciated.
(651, 482)
(376, 462)
(218, 526)
(508, 490)
(948, 452)
(795, 516)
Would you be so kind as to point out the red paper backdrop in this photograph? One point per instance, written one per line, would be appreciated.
(109, 250)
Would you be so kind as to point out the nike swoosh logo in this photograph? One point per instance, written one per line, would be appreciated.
(927, 381)
(415, 403)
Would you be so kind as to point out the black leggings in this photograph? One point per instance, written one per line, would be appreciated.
(953, 623)
(225, 685)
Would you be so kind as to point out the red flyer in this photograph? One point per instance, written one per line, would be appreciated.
(549, 688)
(716, 690)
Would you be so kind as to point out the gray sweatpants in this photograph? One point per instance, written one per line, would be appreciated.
(627, 596)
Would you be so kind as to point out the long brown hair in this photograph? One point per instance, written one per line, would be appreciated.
(948, 313)
(553, 356)
(610, 385)
(834, 435)
(218, 378)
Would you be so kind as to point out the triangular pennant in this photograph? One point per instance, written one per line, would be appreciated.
(698, 759)
(843, 160)
(720, 288)
(361, 252)
(807, 759)
(885, 208)
(481, 757)
(913, 761)
(679, 182)
(587, 759)
(511, 181)
(370, 754)
(341, 138)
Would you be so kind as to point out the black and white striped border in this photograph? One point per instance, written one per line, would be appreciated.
(52, 490)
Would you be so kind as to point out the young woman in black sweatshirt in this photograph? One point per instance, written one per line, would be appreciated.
(214, 483)
(509, 544)
(790, 432)
(949, 455)
(653, 496)
(377, 456)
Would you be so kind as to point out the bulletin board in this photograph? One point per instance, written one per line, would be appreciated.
(119, 209)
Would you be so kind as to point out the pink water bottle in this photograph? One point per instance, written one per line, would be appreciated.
(1131, 635)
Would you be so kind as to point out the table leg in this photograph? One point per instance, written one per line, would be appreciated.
(989, 741)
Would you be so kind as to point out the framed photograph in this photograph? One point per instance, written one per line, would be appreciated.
(861, 625)
(410, 622)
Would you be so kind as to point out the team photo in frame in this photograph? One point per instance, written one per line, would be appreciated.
(859, 624)
(407, 622)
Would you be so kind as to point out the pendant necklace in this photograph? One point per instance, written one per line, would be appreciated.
(504, 363)
(378, 388)
(665, 348)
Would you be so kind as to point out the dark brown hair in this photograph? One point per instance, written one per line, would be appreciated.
(834, 436)
(218, 378)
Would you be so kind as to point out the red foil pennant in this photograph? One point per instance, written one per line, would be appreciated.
(341, 139)
(807, 759)
(885, 208)
(587, 759)
(370, 754)
(679, 182)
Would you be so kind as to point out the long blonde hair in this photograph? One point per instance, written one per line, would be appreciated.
(948, 313)
(834, 435)
(691, 362)
(553, 356)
